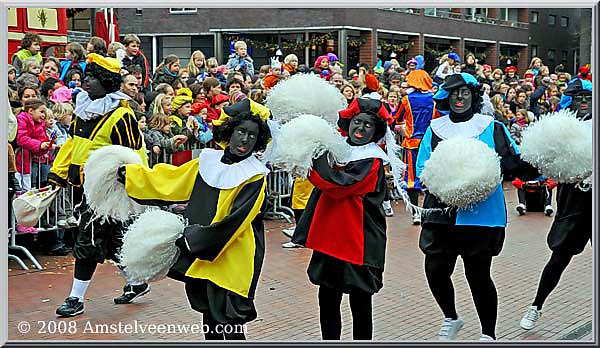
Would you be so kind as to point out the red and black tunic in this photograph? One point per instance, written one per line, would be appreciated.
(345, 225)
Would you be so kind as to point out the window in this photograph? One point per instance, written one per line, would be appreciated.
(552, 54)
(551, 19)
(182, 10)
(476, 13)
(533, 49)
(534, 17)
(509, 14)
(437, 12)
(564, 56)
(564, 22)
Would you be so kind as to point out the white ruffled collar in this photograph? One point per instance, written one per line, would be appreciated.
(87, 109)
(371, 150)
(227, 176)
(444, 128)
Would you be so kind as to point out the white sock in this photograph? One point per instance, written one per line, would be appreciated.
(135, 283)
(79, 288)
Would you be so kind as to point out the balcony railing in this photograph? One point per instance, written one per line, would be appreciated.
(415, 11)
(478, 18)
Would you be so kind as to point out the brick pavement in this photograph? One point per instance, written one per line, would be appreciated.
(404, 310)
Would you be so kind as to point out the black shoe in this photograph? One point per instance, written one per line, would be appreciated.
(131, 292)
(521, 209)
(70, 308)
(60, 251)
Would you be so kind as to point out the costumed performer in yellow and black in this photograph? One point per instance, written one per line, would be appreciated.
(222, 247)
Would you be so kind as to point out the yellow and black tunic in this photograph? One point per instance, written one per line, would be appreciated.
(225, 233)
(118, 127)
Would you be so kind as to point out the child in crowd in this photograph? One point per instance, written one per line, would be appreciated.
(29, 75)
(167, 71)
(240, 60)
(393, 98)
(274, 75)
(290, 64)
(31, 139)
(516, 129)
(200, 113)
(33, 144)
(161, 140)
(197, 66)
(213, 71)
(31, 46)
(181, 122)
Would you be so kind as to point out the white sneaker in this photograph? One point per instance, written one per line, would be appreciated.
(521, 209)
(450, 329)
(290, 245)
(416, 218)
(530, 318)
(289, 232)
(486, 338)
(387, 208)
(548, 210)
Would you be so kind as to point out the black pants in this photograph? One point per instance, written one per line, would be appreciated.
(439, 269)
(550, 276)
(298, 214)
(215, 330)
(330, 301)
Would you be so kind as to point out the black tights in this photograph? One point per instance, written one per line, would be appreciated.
(439, 269)
(330, 301)
(550, 276)
(212, 333)
(84, 269)
(413, 195)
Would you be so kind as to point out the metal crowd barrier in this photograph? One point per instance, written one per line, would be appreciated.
(48, 221)
(279, 187)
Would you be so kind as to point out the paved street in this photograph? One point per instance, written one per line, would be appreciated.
(404, 310)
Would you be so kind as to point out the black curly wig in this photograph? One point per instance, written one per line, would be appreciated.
(456, 81)
(109, 80)
(224, 131)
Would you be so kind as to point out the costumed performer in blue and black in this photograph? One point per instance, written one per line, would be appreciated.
(476, 232)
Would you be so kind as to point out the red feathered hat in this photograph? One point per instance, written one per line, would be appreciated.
(371, 82)
(363, 105)
(511, 68)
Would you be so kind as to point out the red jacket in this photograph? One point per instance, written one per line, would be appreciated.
(30, 136)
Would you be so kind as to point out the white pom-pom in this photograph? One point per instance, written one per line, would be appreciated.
(462, 171)
(308, 137)
(305, 94)
(149, 249)
(560, 146)
(105, 195)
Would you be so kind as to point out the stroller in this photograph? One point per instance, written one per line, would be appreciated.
(534, 195)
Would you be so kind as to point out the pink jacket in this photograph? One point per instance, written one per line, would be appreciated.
(30, 136)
